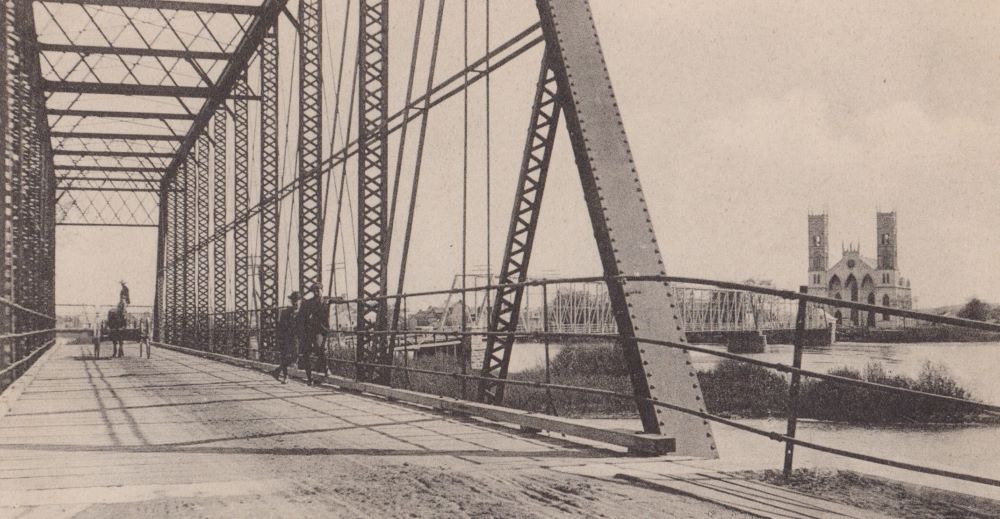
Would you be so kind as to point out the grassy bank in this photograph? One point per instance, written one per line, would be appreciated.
(916, 334)
(731, 389)
(891, 498)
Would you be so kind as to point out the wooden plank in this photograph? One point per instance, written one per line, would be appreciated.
(637, 443)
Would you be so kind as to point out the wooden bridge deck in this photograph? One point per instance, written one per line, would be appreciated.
(185, 436)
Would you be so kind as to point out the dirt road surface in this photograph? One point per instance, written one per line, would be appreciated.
(178, 436)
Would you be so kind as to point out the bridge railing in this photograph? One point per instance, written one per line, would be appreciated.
(24, 335)
(344, 337)
(803, 312)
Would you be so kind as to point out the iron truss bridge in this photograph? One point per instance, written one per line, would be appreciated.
(259, 138)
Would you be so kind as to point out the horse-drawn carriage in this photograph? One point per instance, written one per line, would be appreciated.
(120, 327)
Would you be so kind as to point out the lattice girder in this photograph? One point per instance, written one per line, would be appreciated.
(520, 236)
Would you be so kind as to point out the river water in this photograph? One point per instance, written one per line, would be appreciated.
(973, 449)
(973, 364)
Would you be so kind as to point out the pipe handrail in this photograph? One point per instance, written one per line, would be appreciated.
(690, 347)
(7, 302)
(22, 335)
(38, 351)
(704, 415)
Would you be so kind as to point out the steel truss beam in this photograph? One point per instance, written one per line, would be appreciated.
(241, 203)
(61, 167)
(442, 91)
(625, 238)
(172, 5)
(123, 154)
(218, 222)
(202, 281)
(110, 188)
(372, 186)
(310, 141)
(121, 115)
(269, 178)
(506, 309)
(267, 16)
(117, 136)
(133, 51)
(84, 178)
(127, 89)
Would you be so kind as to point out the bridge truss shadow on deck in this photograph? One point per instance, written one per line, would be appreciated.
(96, 435)
(90, 435)
(175, 403)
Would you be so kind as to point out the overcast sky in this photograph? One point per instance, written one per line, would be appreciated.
(743, 117)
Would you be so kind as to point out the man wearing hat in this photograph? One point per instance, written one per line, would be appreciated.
(288, 338)
(313, 324)
(123, 296)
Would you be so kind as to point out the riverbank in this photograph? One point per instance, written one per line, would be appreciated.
(734, 389)
(915, 334)
(886, 496)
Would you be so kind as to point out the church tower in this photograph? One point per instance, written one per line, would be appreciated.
(819, 250)
(885, 224)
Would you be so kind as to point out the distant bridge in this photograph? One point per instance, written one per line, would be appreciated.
(586, 308)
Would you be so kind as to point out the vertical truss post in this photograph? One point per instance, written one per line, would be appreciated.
(18, 198)
(521, 234)
(626, 242)
(161, 265)
(173, 257)
(190, 259)
(12, 181)
(310, 141)
(241, 204)
(219, 224)
(6, 187)
(270, 209)
(373, 172)
(202, 281)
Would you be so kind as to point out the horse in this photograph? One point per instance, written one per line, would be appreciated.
(117, 321)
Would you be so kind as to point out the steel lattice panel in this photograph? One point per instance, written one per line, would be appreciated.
(202, 281)
(171, 257)
(27, 178)
(520, 237)
(219, 223)
(373, 171)
(188, 172)
(241, 204)
(270, 208)
(310, 141)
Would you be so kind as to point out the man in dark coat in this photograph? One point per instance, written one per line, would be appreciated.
(313, 327)
(123, 294)
(288, 338)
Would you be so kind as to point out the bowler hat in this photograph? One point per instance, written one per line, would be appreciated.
(294, 296)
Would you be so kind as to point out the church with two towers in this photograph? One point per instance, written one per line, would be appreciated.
(875, 281)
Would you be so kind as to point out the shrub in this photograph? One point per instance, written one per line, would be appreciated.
(832, 400)
(589, 359)
(443, 385)
(734, 387)
(591, 365)
(731, 388)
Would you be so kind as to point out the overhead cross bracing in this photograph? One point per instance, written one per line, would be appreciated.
(130, 85)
